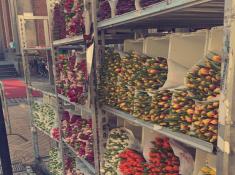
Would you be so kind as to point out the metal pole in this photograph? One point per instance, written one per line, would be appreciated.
(226, 137)
(5, 108)
(93, 89)
(4, 148)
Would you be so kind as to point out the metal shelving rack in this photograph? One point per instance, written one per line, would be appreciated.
(191, 141)
(75, 42)
(187, 14)
(41, 85)
(72, 40)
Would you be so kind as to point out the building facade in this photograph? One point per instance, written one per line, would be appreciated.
(10, 48)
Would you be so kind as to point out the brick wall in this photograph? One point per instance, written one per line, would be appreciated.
(5, 23)
(39, 9)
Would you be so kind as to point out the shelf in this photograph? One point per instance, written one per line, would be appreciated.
(71, 47)
(87, 167)
(44, 88)
(186, 139)
(177, 13)
(45, 133)
(66, 41)
(77, 106)
(82, 167)
(37, 48)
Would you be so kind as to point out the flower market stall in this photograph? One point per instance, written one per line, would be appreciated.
(139, 87)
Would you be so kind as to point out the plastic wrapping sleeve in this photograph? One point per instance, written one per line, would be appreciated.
(159, 154)
(175, 76)
(111, 161)
(131, 137)
(186, 159)
(138, 5)
(147, 142)
(203, 79)
(113, 5)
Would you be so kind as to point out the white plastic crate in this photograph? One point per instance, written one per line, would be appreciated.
(134, 45)
(156, 46)
(216, 38)
(137, 130)
(185, 50)
(188, 48)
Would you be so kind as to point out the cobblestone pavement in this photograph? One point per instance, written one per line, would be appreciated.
(20, 140)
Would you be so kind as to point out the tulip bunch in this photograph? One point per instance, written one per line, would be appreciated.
(130, 64)
(142, 72)
(124, 6)
(44, 116)
(152, 75)
(162, 159)
(55, 133)
(59, 27)
(132, 163)
(77, 132)
(182, 110)
(68, 19)
(125, 97)
(205, 121)
(71, 77)
(203, 81)
(70, 165)
(74, 17)
(160, 104)
(145, 73)
(145, 3)
(104, 10)
(55, 163)
(118, 141)
(109, 77)
(121, 76)
(142, 105)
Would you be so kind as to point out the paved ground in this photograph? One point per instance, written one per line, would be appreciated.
(20, 142)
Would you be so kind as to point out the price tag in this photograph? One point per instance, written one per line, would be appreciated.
(223, 145)
(157, 127)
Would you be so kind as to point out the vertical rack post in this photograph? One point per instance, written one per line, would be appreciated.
(61, 146)
(5, 108)
(26, 78)
(93, 89)
(33, 129)
(59, 103)
(29, 99)
(101, 115)
(226, 144)
(59, 106)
